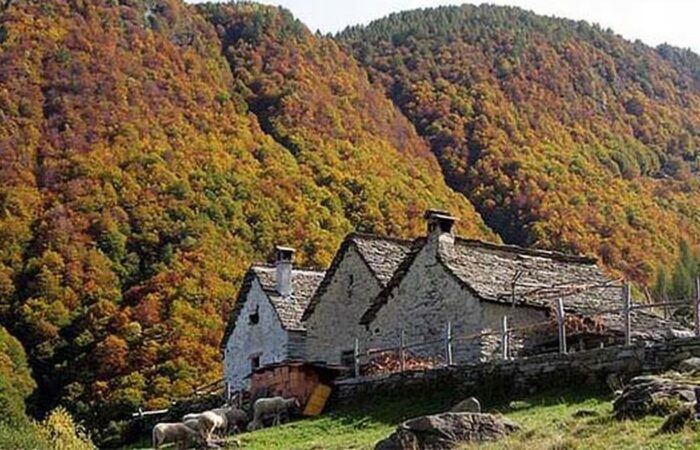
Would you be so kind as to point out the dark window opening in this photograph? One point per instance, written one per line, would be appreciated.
(254, 318)
(254, 362)
(347, 358)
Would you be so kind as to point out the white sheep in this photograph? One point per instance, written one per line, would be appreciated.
(209, 422)
(272, 406)
(191, 416)
(178, 433)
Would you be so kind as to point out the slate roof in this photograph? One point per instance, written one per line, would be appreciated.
(290, 309)
(488, 270)
(383, 255)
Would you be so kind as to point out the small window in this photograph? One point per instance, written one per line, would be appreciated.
(347, 358)
(254, 362)
(254, 318)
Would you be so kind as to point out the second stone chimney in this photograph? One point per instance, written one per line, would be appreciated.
(284, 262)
(440, 222)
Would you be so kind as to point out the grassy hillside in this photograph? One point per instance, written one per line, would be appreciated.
(547, 421)
(563, 135)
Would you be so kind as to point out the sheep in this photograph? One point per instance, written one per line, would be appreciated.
(235, 418)
(178, 433)
(192, 423)
(209, 421)
(191, 416)
(274, 406)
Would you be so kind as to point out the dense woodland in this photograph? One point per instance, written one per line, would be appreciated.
(149, 151)
(144, 167)
(563, 135)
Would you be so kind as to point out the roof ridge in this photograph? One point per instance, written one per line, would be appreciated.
(379, 237)
(260, 265)
(511, 248)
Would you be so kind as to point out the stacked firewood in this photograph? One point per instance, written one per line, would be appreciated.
(390, 362)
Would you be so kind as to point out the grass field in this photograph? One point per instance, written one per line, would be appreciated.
(548, 423)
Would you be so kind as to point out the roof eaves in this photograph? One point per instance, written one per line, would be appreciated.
(238, 305)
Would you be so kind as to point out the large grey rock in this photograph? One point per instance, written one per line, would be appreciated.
(689, 365)
(447, 431)
(470, 404)
(648, 394)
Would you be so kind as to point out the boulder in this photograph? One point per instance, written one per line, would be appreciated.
(689, 365)
(447, 431)
(469, 405)
(648, 394)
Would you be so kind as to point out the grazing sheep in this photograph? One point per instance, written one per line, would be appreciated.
(178, 433)
(273, 406)
(191, 416)
(235, 418)
(192, 423)
(209, 422)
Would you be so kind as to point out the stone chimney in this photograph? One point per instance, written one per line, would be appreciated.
(439, 222)
(285, 260)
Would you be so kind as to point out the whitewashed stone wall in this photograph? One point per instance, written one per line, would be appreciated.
(334, 324)
(428, 298)
(267, 339)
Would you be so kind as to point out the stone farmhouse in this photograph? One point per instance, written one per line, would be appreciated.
(265, 325)
(361, 269)
(378, 288)
(474, 284)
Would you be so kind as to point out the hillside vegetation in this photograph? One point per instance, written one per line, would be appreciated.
(563, 135)
(148, 153)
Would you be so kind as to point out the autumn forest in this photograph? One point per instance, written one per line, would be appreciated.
(150, 150)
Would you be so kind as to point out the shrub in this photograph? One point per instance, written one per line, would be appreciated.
(63, 433)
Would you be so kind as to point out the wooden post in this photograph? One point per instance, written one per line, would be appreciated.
(357, 358)
(448, 343)
(696, 306)
(627, 298)
(505, 351)
(561, 325)
(402, 354)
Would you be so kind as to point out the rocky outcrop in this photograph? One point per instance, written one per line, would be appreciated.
(650, 394)
(689, 365)
(447, 431)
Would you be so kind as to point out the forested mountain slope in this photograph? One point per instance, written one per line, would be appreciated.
(562, 135)
(141, 171)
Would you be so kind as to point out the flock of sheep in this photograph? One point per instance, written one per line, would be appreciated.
(197, 430)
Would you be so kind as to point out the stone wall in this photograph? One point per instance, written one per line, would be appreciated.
(524, 376)
(266, 339)
(335, 322)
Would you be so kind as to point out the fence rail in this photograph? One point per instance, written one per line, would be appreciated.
(506, 335)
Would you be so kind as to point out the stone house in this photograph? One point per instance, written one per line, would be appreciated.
(265, 324)
(362, 267)
(472, 284)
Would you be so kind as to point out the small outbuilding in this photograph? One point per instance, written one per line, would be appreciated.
(298, 379)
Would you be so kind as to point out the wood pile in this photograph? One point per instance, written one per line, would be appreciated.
(390, 362)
